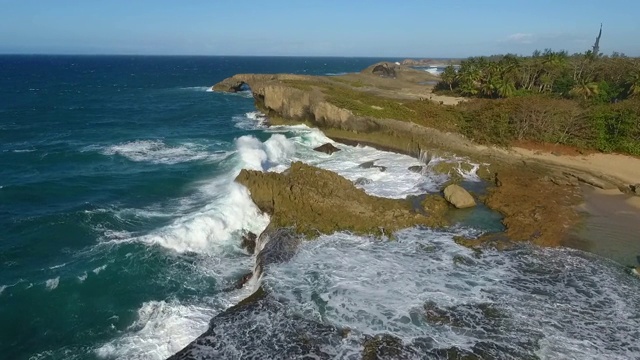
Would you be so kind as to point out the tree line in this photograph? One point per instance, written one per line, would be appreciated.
(585, 76)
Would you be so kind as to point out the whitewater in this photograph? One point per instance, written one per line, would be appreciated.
(123, 238)
(562, 299)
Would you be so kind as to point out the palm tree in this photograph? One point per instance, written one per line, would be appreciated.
(448, 76)
(585, 88)
(505, 88)
(634, 84)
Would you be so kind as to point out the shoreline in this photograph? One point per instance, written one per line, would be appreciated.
(541, 199)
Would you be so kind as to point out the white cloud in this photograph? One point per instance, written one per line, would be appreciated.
(520, 38)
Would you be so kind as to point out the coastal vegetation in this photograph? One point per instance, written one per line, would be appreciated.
(585, 100)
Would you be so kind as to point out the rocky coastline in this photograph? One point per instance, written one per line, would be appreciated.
(537, 199)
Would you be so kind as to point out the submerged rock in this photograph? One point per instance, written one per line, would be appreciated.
(416, 169)
(312, 201)
(384, 346)
(371, 164)
(362, 181)
(249, 242)
(459, 197)
(327, 148)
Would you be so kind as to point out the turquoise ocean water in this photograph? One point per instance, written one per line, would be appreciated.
(120, 225)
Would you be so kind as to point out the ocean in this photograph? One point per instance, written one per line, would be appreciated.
(121, 228)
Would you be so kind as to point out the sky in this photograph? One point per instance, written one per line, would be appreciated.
(375, 28)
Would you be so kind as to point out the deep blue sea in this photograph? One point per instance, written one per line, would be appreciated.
(121, 224)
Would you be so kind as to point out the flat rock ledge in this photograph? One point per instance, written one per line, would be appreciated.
(313, 201)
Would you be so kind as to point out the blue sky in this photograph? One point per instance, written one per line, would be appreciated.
(446, 28)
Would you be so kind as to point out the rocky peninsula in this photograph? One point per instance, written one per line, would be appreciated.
(538, 192)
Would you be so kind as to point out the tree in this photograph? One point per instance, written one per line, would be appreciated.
(585, 89)
(449, 76)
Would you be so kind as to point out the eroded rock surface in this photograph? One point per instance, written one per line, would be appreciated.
(313, 200)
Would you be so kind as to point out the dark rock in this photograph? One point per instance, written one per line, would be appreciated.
(497, 181)
(280, 246)
(362, 181)
(249, 242)
(371, 164)
(274, 334)
(636, 189)
(384, 346)
(384, 70)
(416, 169)
(327, 148)
(243, 280)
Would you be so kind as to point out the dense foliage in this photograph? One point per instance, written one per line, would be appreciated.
(581, 100)
(581, 76)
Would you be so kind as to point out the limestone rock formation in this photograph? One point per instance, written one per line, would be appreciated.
(327, 148)
(384, 69)
(313, 200)
(459, 197)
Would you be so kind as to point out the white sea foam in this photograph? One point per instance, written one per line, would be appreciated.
(256, 155)
(212, 228)
(556, 303)
(57, 266)
(99, 269)
(197, 88)
(51, 284)
(82, 277)
(161, 329)
(250, 121)
(2, 287)
(396, 181)
(157, 152)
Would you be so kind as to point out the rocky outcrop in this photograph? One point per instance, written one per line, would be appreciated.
(636, 189)
(384, 69)
(458, 197)
(372, 164)
(312, 200)
(249, 242)
(327, 148)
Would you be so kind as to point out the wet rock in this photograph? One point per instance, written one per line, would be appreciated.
(416, 169)
(485, 317)
(249, 242)
(384, 346)
(371, 164)
(362, 181)
(243, 280)
(435, 203)
(459, 197)
(280, 246)
(314, 201)
(273, 334)
(327, 148)
(636, 189)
